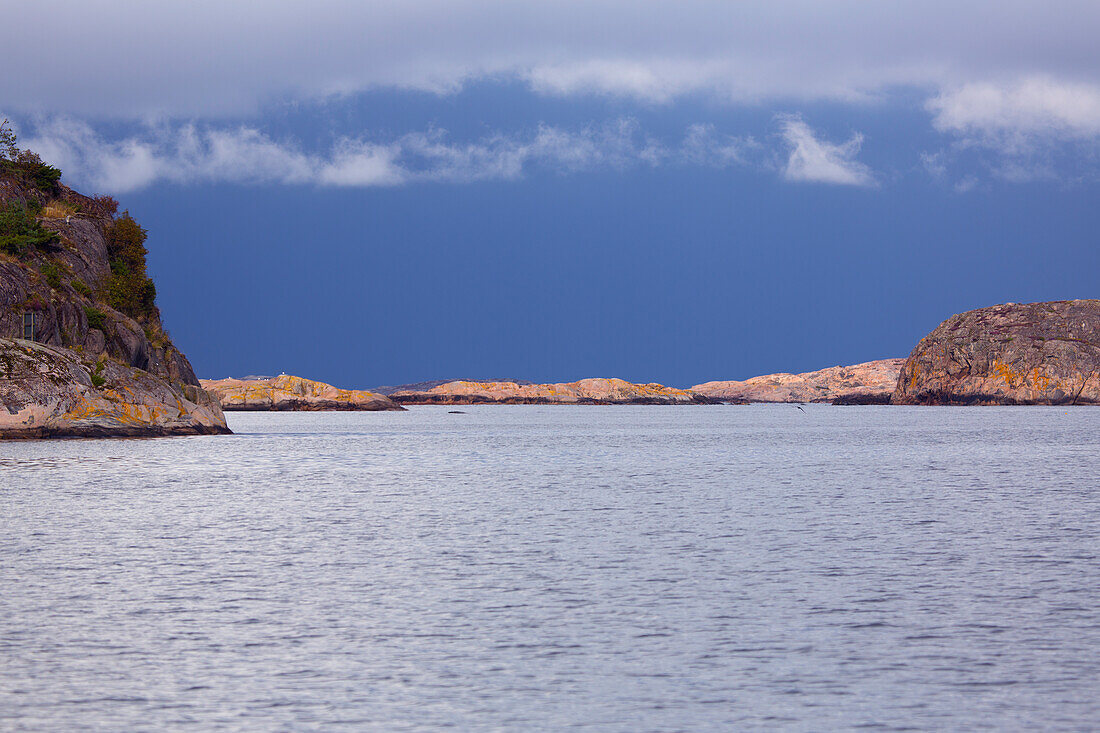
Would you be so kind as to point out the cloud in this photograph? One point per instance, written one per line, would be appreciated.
(1029, 129)
(818, 161)
(191, 153)
(199, 59)
(704, 146)
(1035, 106)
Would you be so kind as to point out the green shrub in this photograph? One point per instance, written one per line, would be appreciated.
(53, 274)
(97, 319)
(129, 289)
(97, 374)
(24, 164)
(31, 171)
(20, 232)
(80, 287)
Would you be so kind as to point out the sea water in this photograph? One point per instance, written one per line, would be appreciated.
(520, 568)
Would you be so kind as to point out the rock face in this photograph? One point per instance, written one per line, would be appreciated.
(1011, 354)
(91, 370)
(584, 392)
(64, 285)
(292, 393)
(48, 391)
(869, 383)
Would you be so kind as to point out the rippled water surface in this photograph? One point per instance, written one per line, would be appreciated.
(620, 568)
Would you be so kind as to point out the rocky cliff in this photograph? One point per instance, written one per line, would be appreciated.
(292, 393)
(584, 392)
(68, 284)
(1011, 354)
(869, 383)
(48, 391)
(75, 270)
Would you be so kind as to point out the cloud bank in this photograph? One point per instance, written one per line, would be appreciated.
(191, 153)
(204, 58)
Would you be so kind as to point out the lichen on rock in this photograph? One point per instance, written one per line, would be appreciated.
(47, 391)
(1012, 354)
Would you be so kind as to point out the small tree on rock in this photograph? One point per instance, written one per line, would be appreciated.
(8, 148)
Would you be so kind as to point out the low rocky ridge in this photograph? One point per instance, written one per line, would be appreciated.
(1011, 354)
(583, 392)
(292, 393)
(48, 391)
(425, 386)
(869, 383)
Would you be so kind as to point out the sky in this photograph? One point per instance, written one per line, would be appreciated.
(382, 192)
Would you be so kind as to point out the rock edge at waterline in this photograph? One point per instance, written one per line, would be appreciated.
(49, 391)
(871, 382)
(1011, 354)
(583, 392)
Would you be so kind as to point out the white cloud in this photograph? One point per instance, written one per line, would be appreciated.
(190, 153)
(704, 146)
(1029, 129)
(818, 161)
(1033, 106)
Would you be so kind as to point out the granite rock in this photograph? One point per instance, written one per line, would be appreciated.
(583, 392)
(48, 391)
(869, 383)
(1011, 354)
(286, 392)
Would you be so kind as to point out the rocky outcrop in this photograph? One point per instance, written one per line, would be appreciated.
(68, 265)
(292, 393)
(869, 383)
(1011, 354)
(584, 392)
(47, 391)
(65, 284)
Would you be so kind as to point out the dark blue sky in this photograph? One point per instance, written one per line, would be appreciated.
(378, 192)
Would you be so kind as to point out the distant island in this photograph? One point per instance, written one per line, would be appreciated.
(285, 392)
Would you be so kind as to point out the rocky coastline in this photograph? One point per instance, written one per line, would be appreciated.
(1011, 354)
(287, 393)
(583, 392)
(48, 391)
(869, 383)
(83, 352)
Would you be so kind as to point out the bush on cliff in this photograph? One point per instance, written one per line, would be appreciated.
(23, 164)
(20, 233)
(129, 289)
(96, 318)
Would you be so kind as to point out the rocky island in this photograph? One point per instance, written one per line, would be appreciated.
(872, 382)
(82, 348)
(286, 392)
(1011, 354)
(583, 392)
